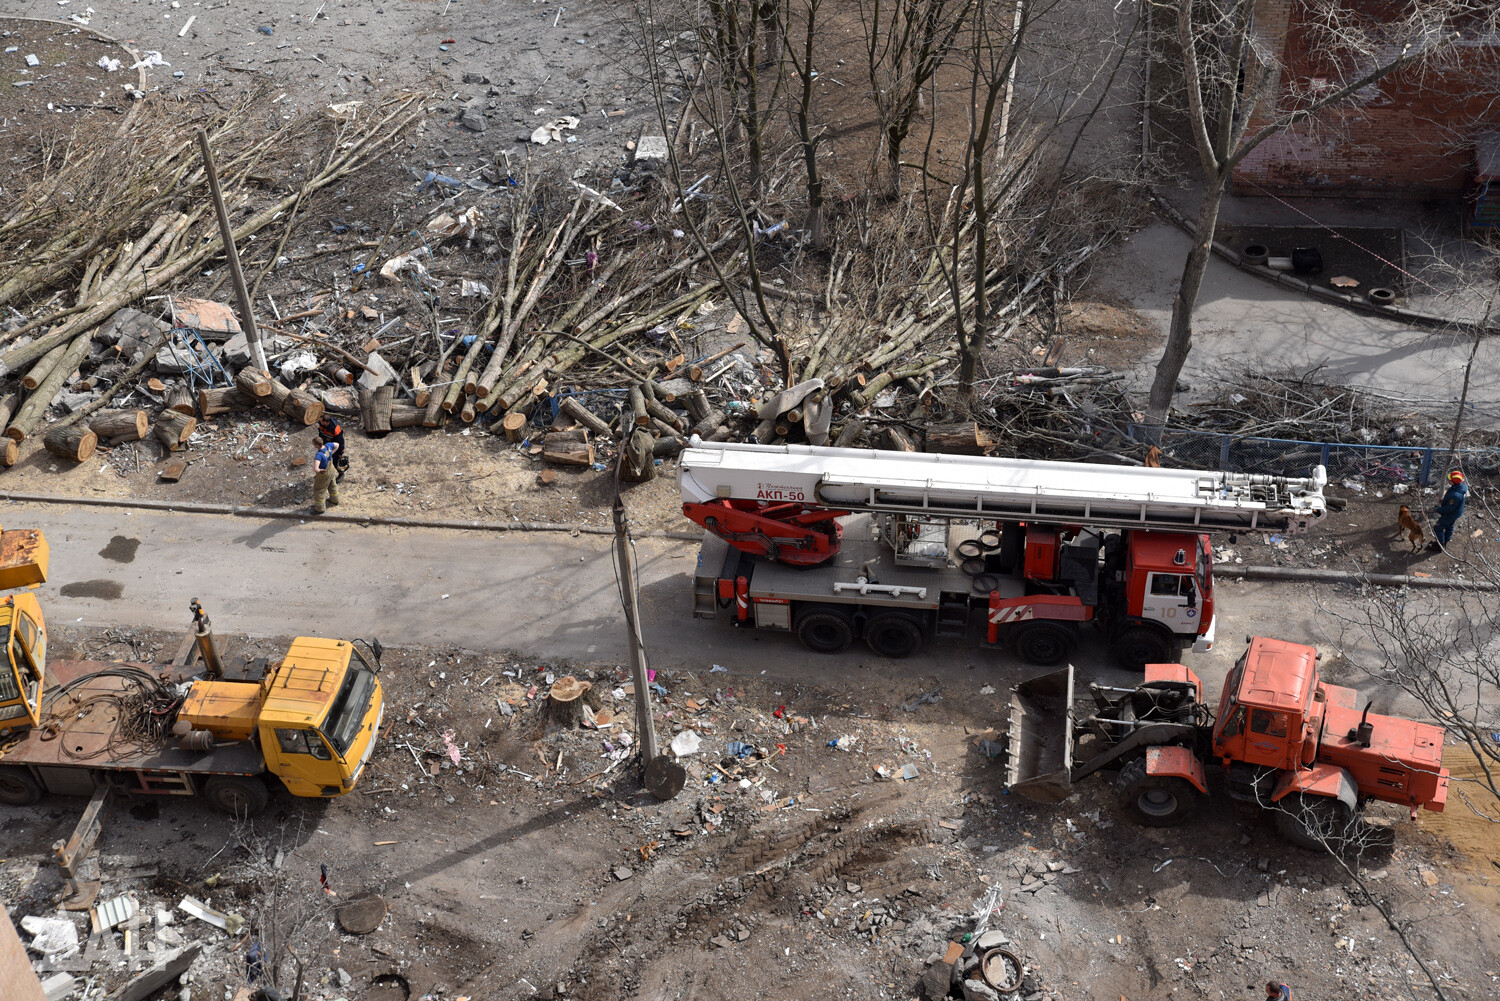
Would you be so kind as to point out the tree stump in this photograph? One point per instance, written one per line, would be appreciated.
(514, 426)
(568, 448)
(638, 457)
(222, 401)
(76, 442)
(180, 399)
(566, 701)
(130, 425)
(253, 382)
(173, 428)
(375, 410)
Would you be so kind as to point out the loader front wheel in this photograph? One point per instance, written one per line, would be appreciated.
(1314, 822)
(236, 795)
(1156, 800)
(17, 787)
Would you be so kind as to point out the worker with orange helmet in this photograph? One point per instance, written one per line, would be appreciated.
(1449, 509)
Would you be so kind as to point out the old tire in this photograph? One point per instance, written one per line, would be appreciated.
(1319, 823)
(1043, 643)
(236, 795)
(1156, 800)
(18, 788)
(892, 634)
(1138, 645)
(825, 631)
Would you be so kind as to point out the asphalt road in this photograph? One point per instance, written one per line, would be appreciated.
(547, 595)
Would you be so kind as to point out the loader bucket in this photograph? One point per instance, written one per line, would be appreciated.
(1039, 762)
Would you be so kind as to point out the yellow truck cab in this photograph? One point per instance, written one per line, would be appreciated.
(23, 669)
(321, 714)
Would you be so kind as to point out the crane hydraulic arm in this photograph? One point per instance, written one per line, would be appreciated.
(781, 500)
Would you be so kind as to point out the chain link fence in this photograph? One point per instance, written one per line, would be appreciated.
(1415, 466)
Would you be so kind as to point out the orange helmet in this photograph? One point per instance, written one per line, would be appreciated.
(1455, 477)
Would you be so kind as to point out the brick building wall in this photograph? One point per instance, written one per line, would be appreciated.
(1409, 135)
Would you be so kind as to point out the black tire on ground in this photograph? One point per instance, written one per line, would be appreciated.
(1138, 645)
(892, 634)
(1314, 822)
(1155, 800)
(236, 795)
(17, 787)
(1043, 643)
(823, 630)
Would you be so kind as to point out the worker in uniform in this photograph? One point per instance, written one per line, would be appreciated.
(1450, 509)
(325, 480)
(1277, 991)
(330, 431)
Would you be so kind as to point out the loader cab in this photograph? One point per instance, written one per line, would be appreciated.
(1267, 705)
(322, 710)
(24, 666)
(1169, 580)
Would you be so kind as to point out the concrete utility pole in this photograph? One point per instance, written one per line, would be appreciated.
(662, 777)
(241, 292)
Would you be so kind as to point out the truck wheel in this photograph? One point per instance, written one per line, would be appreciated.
(825, 631)
(1156, 800)
(236, 795)
(1138, 645)
(1043, 643)
(892, 634)
(18, 788)
(1315, 822)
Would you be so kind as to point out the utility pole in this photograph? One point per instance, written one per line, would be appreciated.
(236, 276)
(662, 777)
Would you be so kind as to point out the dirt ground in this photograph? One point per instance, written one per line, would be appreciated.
(520, 858)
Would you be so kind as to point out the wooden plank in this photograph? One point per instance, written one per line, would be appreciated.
(174, 471)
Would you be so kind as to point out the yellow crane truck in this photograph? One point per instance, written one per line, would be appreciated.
(78, 727)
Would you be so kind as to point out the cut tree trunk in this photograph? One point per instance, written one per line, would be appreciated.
(338, 373)
(77, 442)
(959, 439)
(639, 417)
(180, 398)
(514, 426)
(894, 440)
(43, 367)
(578, 412)
(405, 416)
(637, 457)
(10, 452)
(253, 382)
(850, 433)
(173, 428)
(294, 403)
(667, 448)
(8, 406)
(131, 425)
(37, 403)
(568, 448)
(665, 415)
(222, 401)
(375, 409)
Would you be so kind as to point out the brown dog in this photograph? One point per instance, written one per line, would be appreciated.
(1407, 525)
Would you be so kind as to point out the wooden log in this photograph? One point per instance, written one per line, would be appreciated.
(406, 416)
(76, 443)
(637, 457)
(697, 405)
(513, 425)
(959, 439)
(719, 434)
(433, 416)
(30, 413)
(666, 448)
(10, 452)
(294, 403)
(131, 425)
(173, 428)
(709, 424)
(43, 367)
(765, 432)
(662, 427)
(180, 398)
(8, 406)
(253, 382)
(893, 440)
(420, 393)
(223, 401)
(660, 392)
(638, 408)
(568, 448)
(467, 413)
(850, 433)
(578, 412)
(375, 409)
(666, 416)
(338, 373)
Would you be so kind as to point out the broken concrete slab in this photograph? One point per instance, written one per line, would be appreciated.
(650, 148)
(163, 973)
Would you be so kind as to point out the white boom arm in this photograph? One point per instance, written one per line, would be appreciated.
(960, 486)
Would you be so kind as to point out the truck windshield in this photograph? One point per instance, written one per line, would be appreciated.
(349, 707)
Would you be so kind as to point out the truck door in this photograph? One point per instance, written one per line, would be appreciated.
(22, 676)
(302, 760)
(1172, 600)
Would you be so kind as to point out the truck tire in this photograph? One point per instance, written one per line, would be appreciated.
(17, 787)
(824, 630)
(1044, 643)
(1137, 645)
(892, 634)
(236, 795)
(1156, 800)
(1319, 823)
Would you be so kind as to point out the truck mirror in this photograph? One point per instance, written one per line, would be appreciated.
(379, 650)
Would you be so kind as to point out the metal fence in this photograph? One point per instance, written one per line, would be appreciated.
(1284, 457)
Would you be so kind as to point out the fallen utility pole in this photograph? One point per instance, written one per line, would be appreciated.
(662, 777)
(236, 276)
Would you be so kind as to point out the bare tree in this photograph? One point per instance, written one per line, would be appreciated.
(803, 17)
(1238, 95)
(746, 66)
